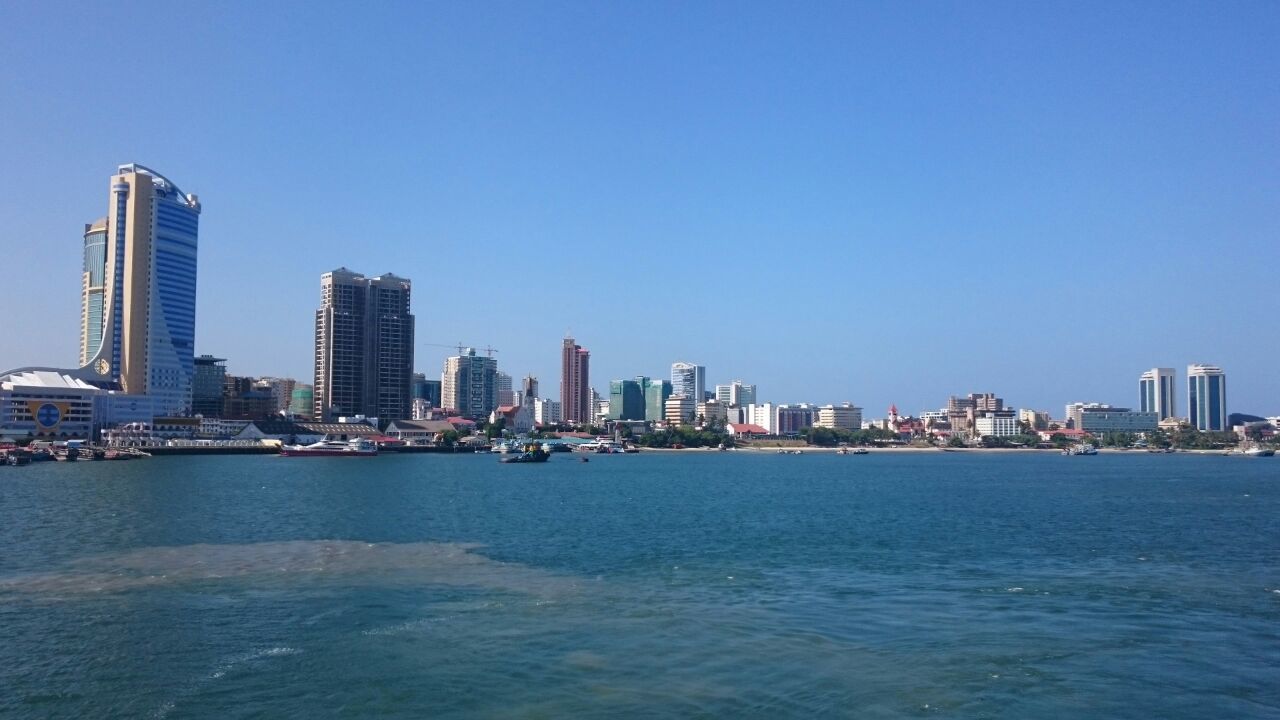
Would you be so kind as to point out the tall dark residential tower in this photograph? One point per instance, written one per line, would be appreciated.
(364, 347)
(575, 382)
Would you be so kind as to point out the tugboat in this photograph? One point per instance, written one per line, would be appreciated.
(356, 447)
(533, 453)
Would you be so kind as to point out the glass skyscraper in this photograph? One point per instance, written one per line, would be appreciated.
(92, 288)
(1156, 393)
(1207, 397)
(688, 380)
(626, 399)
(140, 280)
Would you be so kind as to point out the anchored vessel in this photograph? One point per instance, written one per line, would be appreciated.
(533, 452)
(358, 447)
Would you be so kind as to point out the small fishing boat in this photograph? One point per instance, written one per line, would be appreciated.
(533, 453)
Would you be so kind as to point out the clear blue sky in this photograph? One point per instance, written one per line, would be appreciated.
(886, 202)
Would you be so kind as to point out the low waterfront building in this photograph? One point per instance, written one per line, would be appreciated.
(220, 428)
(1117, 420)
(175, 428)
(1103, 418)
(304, 433)
(746, 430)
(46, 404)
(418, 432)
(845, 416)
(1068, 433)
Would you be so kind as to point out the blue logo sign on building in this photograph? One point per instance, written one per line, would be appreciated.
(48, 415)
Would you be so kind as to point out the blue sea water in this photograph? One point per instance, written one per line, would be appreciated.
(659, 585)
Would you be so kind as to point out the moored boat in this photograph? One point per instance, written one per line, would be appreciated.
(533, 453)
(357, 447)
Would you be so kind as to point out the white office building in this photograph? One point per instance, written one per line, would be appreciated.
(736, 393)
(546, 411)
(1156, 392)
(688, 380)
(995, 425)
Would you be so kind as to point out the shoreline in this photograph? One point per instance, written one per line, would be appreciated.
(926, 450)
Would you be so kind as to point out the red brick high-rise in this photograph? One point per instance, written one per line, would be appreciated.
(575, 383)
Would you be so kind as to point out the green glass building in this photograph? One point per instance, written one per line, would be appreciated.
(626, 400)
(656, 393)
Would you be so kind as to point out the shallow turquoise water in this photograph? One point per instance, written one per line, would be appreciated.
(660, 585)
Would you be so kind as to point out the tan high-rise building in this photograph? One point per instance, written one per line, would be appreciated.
(144, 252)
(575, 382)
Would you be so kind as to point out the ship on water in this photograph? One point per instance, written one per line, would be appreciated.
(356, 447)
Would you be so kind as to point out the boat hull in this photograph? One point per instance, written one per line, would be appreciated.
(328, 453)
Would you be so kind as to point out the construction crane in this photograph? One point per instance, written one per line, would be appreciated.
(489, 350)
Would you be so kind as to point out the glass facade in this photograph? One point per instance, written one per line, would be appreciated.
(95, 276)
(626, 400)
(172, 326)
(655, 399)
(1207, 398)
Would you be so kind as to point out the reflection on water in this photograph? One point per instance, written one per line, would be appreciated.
(273, 563)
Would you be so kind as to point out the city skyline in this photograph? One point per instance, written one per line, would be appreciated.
(893, 179)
